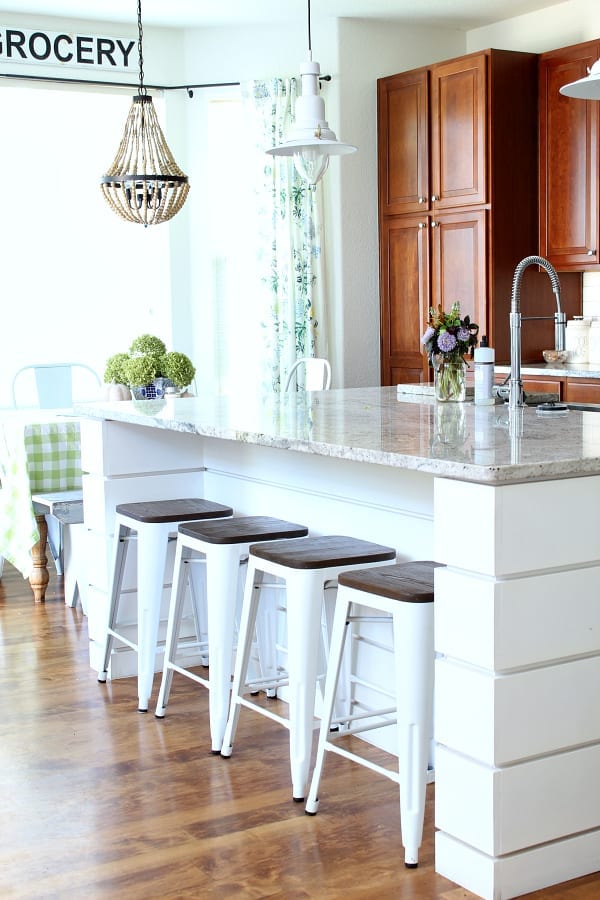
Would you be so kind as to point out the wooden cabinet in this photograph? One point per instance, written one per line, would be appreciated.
(457, 157)
(569, 159)
(582, 390)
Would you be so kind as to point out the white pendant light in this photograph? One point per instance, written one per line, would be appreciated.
(310, 141)
(144, 184)
(587, 88)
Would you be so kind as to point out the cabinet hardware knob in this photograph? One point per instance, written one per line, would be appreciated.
(434, 197)
(591, 252)
(422, 199)
(422, 224)
(434, 224)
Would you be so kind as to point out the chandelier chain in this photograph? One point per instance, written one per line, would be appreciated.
(143, 90)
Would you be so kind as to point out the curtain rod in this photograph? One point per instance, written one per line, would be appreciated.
(128, 84)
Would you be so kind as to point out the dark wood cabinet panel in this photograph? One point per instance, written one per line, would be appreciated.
(404, 276)
(458, 132)
(459, 263)
(403, 142)
(543, 385)
(568, 161)
(582, 390)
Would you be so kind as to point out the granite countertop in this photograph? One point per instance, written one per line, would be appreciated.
(580, 370)
(483, 444)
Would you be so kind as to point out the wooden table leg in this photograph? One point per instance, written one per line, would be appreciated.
(39, 577)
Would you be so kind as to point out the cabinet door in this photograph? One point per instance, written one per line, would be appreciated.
(403, 154)
(459, 264)
(458, 132)
(404, 298)
(568, 161)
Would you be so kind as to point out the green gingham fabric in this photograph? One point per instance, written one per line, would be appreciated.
(39, 458)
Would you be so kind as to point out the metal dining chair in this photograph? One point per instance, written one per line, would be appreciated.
(54, 385)
(317, 373)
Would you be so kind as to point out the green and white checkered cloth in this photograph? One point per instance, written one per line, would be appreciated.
(35, 457)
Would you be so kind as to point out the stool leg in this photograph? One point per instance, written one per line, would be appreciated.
(120, 545)
(339, 630)
(413, 653)
(245, 637)
(152, 557)
(221, 589)
(304, 605)
(180, 580)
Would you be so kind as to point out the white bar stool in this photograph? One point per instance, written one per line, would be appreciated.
(404, 594)
(151, 523)
(306, 565)
(223, 544)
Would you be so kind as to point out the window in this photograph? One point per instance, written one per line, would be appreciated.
(78, 283)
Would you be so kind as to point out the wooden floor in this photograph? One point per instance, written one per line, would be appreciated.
(98, 800)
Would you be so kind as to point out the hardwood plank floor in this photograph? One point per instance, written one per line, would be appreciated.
(99, 801)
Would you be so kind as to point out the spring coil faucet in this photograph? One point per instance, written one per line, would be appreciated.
(515, 396)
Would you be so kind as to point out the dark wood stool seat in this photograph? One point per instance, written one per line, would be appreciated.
(243, 530)
(328, 551)
(411, 582)
(183, 510)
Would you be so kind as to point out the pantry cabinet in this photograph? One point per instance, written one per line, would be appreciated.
(457, 165)
(569, 158)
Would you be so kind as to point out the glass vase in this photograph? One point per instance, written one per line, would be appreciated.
(449, 379)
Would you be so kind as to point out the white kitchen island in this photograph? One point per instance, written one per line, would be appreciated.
(512, 507)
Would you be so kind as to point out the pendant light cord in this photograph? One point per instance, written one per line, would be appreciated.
(309, 37)
(143, 90)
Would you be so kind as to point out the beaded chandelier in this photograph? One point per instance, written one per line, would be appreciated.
(144, 184)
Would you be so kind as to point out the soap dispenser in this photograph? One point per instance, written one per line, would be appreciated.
(484, 374)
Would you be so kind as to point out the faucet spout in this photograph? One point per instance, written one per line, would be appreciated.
(516, 397)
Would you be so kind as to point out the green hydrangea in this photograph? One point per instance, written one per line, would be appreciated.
(178, 368)
(140, 370)
(147, 344)
(115, 369)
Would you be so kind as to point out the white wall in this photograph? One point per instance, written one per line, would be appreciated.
(547, 29)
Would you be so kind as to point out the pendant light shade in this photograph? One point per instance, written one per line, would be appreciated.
(311, 141)
(587, 88)
(144, 183)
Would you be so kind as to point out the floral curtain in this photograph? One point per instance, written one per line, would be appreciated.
(289, 237)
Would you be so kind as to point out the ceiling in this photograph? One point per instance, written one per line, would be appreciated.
(459, 14)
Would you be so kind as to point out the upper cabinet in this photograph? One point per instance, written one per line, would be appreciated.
(432, 137)
(569, 160)
(457, 157)
(459, 132)
(403, 143)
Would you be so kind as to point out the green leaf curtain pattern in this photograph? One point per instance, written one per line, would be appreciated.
(289, 232)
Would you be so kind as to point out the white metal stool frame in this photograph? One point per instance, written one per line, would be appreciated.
(304, 592)
(222, 556)
(412, 625)
(152, 545)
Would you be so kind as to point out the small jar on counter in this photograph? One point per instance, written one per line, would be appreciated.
(577, 340)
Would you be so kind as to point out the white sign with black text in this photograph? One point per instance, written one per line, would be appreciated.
(60, 48)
